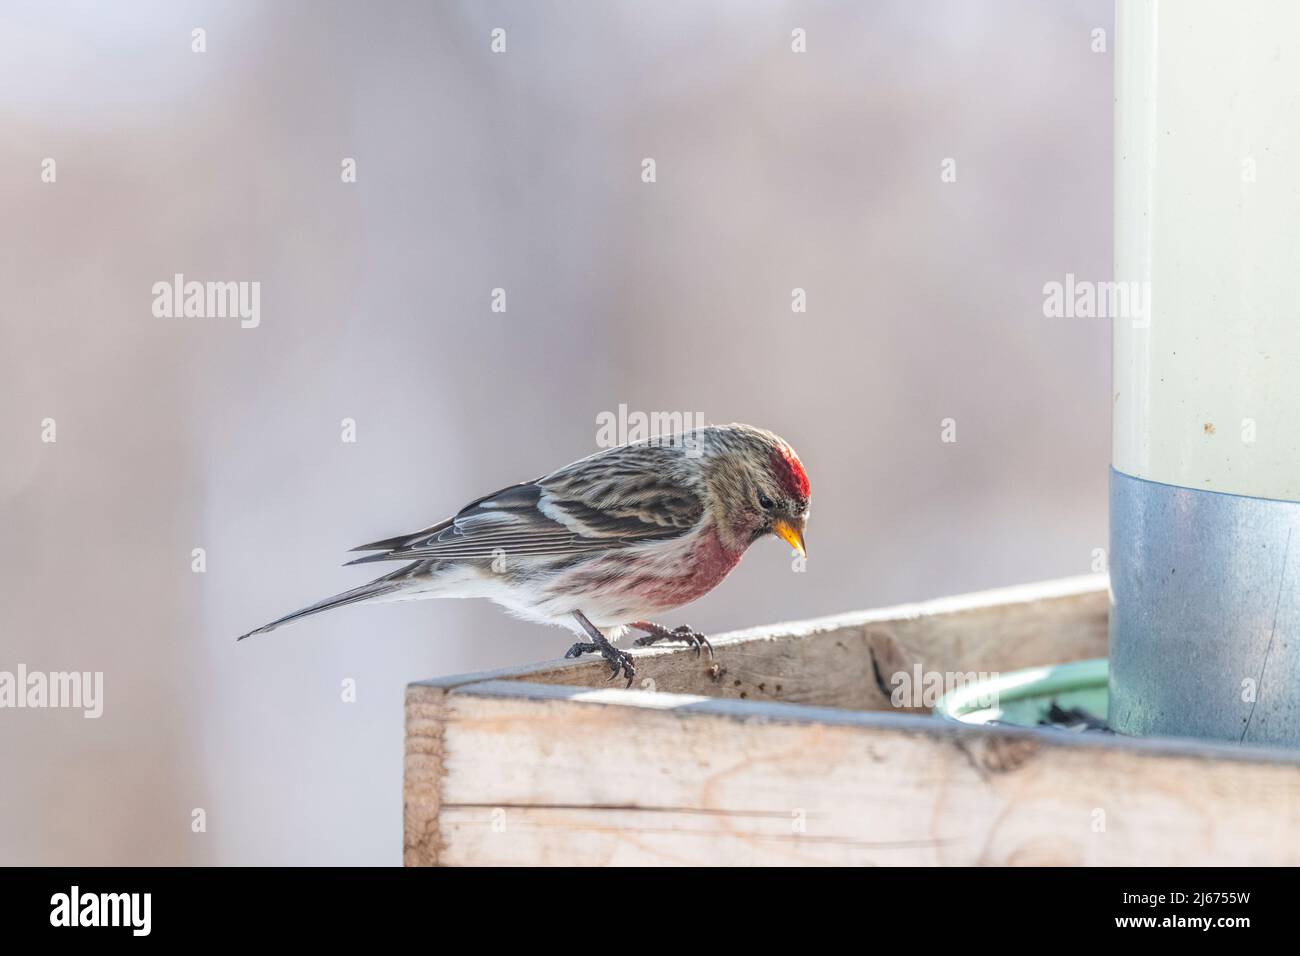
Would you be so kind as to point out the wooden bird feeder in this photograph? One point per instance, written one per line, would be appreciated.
(787, 750)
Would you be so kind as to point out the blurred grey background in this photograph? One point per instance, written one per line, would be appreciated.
(519, 170)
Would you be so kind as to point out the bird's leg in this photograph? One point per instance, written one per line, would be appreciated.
(657, 632)
(619, 661)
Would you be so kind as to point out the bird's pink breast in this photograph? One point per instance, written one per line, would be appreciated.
(709, 563)
(614, 589)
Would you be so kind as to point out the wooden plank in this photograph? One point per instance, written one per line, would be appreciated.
(519, 773)
(847, 660)
(844, 660)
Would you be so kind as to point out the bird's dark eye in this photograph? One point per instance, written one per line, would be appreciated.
(765, 502)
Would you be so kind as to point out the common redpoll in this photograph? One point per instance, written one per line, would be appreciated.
(608, 542)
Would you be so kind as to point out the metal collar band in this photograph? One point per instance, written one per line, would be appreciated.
(1205, 613)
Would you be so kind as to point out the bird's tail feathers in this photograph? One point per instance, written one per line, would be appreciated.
(378, 588)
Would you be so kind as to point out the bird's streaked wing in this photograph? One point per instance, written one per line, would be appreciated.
(629, 495)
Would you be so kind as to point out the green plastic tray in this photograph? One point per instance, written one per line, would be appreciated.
(1024, 697)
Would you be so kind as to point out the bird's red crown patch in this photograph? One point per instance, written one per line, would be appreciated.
(791, 471)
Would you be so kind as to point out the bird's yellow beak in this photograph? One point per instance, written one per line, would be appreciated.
(790, 533)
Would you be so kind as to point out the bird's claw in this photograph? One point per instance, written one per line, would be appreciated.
(695, 639)
(684, 633)
(620, 662)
